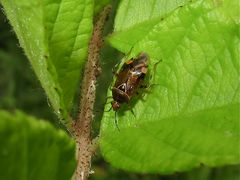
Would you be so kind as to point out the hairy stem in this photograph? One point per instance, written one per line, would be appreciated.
(82, 125)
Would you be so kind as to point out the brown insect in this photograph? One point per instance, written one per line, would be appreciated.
(128, 80)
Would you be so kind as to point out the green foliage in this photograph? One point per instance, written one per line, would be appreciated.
(191, 116)
(54, 35)
(34, 149)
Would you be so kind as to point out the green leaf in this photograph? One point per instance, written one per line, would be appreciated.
(131, 13)
(34, 149)
(54, 35)
(191, 116)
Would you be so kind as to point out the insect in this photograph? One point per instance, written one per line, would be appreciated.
(128, 81)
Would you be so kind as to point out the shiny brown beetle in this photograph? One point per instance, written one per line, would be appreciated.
(128, 80)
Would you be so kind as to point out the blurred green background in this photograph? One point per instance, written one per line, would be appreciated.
(20, 89)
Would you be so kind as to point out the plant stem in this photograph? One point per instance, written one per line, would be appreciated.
(82, 125)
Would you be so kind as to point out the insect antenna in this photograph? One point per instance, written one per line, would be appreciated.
(109, 109)
(116, 121)
(133, 113)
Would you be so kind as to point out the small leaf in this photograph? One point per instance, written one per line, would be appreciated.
(54, 35)
(33, 149)
(191, 116)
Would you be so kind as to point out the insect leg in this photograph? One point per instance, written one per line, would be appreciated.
(108, 109)
(133, 113)
(115, 68)
(116, 121)
(128, 54)
(151, 79)
(126, 57)
(154, 69)
(131, 109)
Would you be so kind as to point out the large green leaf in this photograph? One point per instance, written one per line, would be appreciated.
(191, 116)
(33, 149)
(54, 35)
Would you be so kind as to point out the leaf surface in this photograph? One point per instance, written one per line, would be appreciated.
(34, 149)
(191, 116)
(54, 35)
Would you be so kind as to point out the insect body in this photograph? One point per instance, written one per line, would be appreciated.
(129, 79)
